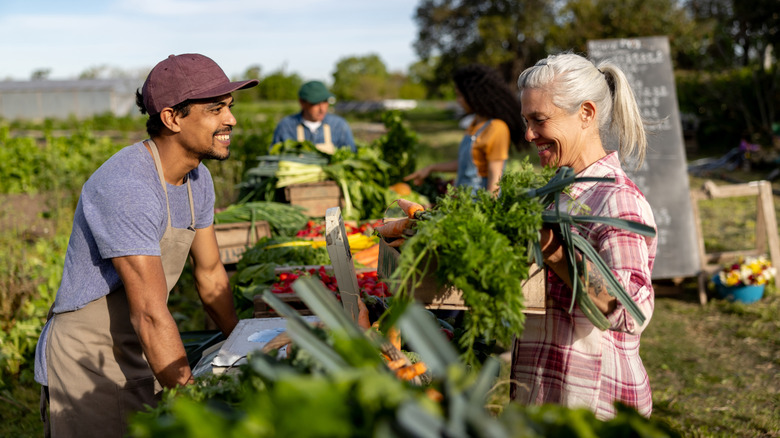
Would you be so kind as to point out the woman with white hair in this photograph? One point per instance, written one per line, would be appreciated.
(569, 104)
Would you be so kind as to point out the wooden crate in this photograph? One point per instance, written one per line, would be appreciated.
(434, 296)
(233, 239)
(316, 198)
(263, 310)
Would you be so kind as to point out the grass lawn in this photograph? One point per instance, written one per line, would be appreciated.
(714, 369)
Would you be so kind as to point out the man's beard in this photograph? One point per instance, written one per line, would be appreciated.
(212, 154)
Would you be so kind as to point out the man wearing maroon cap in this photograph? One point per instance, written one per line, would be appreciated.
(111, 343)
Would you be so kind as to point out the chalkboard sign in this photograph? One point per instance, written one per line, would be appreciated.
(663, 177)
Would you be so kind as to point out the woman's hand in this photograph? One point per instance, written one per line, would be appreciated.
(552, 250)
(419, 176)
(555, 259)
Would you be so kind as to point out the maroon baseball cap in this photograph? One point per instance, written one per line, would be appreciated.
(188, 76)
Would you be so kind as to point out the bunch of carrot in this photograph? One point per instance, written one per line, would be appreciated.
(394, 232)
(399, 363)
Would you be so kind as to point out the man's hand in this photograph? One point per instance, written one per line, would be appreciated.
(417, 177)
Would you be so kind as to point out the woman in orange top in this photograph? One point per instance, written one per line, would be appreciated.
(496, 124)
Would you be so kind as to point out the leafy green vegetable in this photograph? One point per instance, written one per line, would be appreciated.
(480, 245)
(284, 219)
(483, 246)
(397, 146)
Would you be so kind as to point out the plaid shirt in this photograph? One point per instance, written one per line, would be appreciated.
(561, 357)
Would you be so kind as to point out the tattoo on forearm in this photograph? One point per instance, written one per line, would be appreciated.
(597, 282)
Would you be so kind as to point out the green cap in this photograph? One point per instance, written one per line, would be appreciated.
(314, 92)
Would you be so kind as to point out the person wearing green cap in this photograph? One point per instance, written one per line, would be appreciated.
(313, 123)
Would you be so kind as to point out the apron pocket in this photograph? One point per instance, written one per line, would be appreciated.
(134, 394)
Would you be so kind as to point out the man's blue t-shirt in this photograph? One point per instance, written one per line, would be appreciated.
(121, 212)
(340, 132)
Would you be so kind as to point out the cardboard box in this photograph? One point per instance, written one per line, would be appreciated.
(434, 296)
(233, 239)
(316, 198)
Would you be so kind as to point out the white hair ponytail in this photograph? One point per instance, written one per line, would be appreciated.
(571, 79)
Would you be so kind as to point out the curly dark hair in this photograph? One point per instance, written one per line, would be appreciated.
(154, 124)
(489, 96)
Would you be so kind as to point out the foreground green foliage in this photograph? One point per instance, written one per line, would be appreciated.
(347, 391)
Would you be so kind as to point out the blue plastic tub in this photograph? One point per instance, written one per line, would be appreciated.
(743, 294)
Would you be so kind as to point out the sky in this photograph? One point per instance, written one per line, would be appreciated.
(307, 37)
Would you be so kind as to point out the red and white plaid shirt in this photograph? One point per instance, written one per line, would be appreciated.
(561, 357)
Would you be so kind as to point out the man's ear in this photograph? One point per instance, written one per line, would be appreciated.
(587, 113)
(170, 119)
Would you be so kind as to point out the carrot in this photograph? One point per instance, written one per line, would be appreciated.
(410, 208)
(434, 395)
(394, 336)
(393, 229)
(367, 257)
(396, 243)
(396, 364)
(363, 321)
(411, 371)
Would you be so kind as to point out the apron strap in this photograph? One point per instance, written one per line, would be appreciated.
(301, 136)
(192, 204)
(481, 128)
(158, 166)
(326, 133)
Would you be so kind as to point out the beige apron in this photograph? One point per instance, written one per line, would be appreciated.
(98, 373)
(327, 147)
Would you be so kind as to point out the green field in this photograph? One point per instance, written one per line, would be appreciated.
(713, 368)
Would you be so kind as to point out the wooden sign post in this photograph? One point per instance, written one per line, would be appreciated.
(341, 261)
(663, 178)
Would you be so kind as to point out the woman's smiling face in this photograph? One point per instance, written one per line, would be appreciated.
(558, 135)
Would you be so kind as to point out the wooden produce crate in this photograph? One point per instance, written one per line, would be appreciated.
(433, 296)
(263, 310)
(233, 239)
(316, 198)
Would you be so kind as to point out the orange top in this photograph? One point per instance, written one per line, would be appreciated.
(491, 145)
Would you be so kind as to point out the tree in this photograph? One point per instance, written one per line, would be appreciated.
(733, 68)
(583, 20)
(360, 78)
(508, 35)
(279, 86)
(738, 33)
(253, 72)
(40, 74)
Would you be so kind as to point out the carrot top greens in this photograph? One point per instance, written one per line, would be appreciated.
(485, 245)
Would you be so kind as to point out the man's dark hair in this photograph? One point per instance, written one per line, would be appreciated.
(489, 96)
(154, 124)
